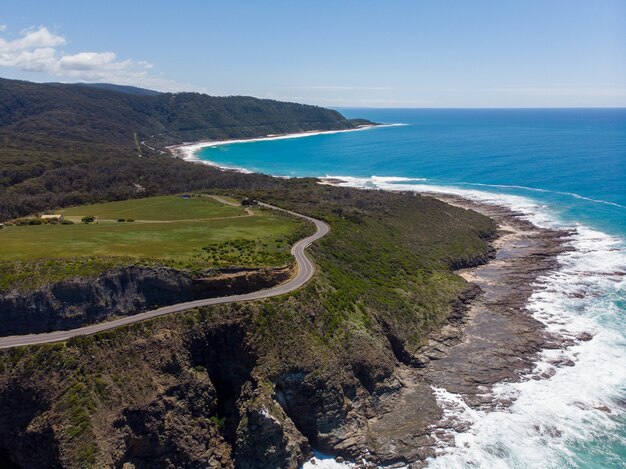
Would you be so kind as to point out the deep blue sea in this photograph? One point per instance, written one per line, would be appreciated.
(561, 168)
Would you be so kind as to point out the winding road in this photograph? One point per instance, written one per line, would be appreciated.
(306, 269)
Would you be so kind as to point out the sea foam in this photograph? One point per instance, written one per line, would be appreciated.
(552, 421)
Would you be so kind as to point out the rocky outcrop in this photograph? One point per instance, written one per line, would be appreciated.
(266, 436)
(122, 292)
(171, 429)
(25, 440)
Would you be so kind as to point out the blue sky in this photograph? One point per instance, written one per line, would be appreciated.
(445, 53)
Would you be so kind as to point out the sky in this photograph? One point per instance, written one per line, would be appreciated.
(346, 53)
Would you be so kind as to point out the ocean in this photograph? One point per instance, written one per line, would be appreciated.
(561, 168)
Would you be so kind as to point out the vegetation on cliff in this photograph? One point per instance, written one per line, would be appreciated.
(261, 381)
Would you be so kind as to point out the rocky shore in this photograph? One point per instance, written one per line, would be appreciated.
(490, 338)
(250, 385)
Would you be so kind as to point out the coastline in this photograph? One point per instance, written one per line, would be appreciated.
(438, 403)
(498, 335)
(187, 151)
(489, 339)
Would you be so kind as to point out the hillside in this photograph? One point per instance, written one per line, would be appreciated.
(105, 113)
(250, 385)
(122, 88)
(71, 144)
(258, 384)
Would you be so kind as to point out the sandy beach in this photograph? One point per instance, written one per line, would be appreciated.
(187, 151)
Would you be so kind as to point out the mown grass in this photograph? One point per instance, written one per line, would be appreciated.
(177, 240)
(31, 256)
(157, 208)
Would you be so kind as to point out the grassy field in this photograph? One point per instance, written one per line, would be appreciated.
(195, 234)
(156, 208)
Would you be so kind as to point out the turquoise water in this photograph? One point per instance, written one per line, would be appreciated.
(560, 168)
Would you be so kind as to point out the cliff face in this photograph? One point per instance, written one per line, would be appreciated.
(189, 396)
(121, 292)
(259, 384)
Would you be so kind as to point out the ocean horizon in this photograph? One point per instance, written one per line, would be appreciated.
(559, 168)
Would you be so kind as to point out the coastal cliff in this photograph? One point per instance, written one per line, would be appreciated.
(122, 291)
(259, 384)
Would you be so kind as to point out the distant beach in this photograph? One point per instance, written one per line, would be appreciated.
(187, 151)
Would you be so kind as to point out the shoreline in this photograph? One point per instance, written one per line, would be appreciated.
(490, 338)
(187, 151)
(523, 252)
(445, 406)
(511, 360)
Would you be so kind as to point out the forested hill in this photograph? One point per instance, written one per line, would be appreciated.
(97, 114)
(122, 88)
(70, 144)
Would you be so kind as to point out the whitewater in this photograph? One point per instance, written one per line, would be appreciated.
(571, 419)
(558, 170)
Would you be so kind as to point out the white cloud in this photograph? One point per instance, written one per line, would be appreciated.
(30, 39)
(37, 50)
(33, 51)
(38, 60)
(3, 27)
(86, 61)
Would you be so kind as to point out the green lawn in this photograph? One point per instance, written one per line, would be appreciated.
(176, 233)
(156, 208)
(176, 240)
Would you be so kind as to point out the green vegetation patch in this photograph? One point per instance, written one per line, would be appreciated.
(385, 267)
(254, 252)
(168, 208)
(204, 235)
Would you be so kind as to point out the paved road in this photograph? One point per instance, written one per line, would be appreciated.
(306, 269)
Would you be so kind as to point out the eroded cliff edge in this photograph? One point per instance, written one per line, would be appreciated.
(123, 291)
(258, 384)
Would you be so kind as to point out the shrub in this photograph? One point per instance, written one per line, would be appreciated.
(28, 221)
(88, 219)
(217, 421)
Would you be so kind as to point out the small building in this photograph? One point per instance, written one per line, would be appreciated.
(57, 217)
(1, 226)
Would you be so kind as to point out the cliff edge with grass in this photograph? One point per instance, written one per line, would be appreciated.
(258, 384)
(249, 385)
